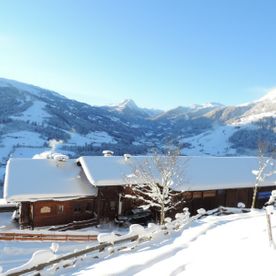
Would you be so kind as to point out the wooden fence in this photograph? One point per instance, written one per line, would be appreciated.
(75, 225)
(100, 247)
(121, 242)
(45, 237)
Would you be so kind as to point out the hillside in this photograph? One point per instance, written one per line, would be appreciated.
(31, 116)
(225, 245)
(230, 245)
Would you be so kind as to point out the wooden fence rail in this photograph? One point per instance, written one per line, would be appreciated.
(45, 237)
(100, 247)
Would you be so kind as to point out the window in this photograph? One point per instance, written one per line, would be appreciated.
(188, 195)
(221, 192)
(112, 205)
(77, 208)
(60, 209)
(89, 207)
(209, 194)
(264, 195)
(45, 210)
(197, 194)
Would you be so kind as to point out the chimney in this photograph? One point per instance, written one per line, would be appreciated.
(107, 153)
(127, 156)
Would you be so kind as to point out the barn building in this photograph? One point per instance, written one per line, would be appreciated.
(54, 192)
(48, 192)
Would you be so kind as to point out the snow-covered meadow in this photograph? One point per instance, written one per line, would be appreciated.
(216, 245)
(235, 244)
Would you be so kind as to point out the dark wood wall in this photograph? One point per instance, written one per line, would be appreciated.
(105, 206)
(108, 202)
(50, 212)
(225, 197)
(211, 199)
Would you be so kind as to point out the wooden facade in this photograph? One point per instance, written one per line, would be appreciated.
(53, 212)
(210, 199)
(104, 207)
(226, 197)
(111, 201)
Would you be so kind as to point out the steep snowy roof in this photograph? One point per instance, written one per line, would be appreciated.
(31, 179)
(201, 173)
(207, 173)
(106, 171)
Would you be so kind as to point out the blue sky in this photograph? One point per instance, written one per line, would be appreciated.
(162, 54)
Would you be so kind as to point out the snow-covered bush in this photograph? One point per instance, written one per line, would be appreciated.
(137, 229)
(107, 237)
(201, 211)
(241, 205)
(272, 199)
(269, 209)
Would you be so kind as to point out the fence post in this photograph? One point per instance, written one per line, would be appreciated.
(268, 211)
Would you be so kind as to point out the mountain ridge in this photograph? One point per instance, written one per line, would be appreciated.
(31, 116)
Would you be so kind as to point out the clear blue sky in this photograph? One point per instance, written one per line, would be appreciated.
(161, 54)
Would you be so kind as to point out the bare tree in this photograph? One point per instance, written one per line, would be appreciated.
(154, 177)
(266, 168)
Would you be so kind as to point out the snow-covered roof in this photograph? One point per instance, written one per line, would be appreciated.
(207, 173)
(32, 179)
(106, 171)
(200, 173)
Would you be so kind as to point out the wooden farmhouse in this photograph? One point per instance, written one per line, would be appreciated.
(53, 192)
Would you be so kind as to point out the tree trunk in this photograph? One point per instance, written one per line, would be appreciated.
(254, 196)
(162, 214)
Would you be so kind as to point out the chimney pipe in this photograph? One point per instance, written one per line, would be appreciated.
(127, 156)
(107, 153)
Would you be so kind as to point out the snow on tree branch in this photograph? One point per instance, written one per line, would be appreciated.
(266, 168)
(156, 179)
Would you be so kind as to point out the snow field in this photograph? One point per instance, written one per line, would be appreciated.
(207, 142)
(230, 245)
(224, 245)
(34, 114)
(95, 137)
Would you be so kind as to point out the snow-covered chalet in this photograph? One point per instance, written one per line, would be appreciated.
(54, 192)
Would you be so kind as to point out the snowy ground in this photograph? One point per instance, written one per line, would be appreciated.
(228, 245)
(95, 137)
(207, 143)
(215, 245)
(11, 142)
(16, 253)
(36, 113)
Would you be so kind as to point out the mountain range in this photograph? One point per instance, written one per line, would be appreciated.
(31, 116)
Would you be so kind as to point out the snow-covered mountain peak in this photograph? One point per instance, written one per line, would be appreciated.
(207, 105)
(129, 106)
(270, 96)
(128, 103)
(19, 86)
(32, 89)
